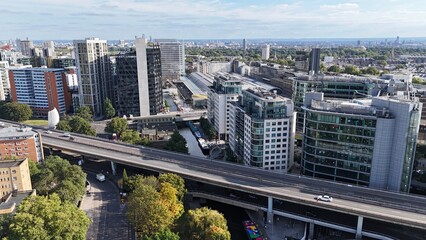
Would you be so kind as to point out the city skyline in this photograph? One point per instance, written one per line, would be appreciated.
(189, 19)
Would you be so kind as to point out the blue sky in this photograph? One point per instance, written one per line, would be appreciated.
(201, 19)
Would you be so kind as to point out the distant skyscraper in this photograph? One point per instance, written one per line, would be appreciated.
(138, 76)
(48, 48)
(265, 52)
(172, 59)
(26, 46)
(94, 73)
(41, 88)
(314, 61)
(245, 45)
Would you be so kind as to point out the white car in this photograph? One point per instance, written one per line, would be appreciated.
(66, 134)
(48, 131)
(324, 198)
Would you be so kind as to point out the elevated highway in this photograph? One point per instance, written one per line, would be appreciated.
(401, 209)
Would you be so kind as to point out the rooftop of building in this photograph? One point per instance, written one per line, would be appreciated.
(362, 106)
(339, 78)
(192, 86)
(11, 163)
(30, 68)
(266, 95)
(7, 132)
(13, 200)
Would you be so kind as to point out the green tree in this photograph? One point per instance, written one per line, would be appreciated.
(136, 180)
(116, 125)
(203, 223)
(323, 68)
(81, 125)
(165, 234)
(146, 212)
(14, 111)
(64, 126)
(350, 69)
(57, 175)
(109, 109)
(372, 71)
(177, 143)
(85, 112)
(130, 136)
(46, 217)
(176, 181)
(418, 80)
(169, 199)
(334, 68)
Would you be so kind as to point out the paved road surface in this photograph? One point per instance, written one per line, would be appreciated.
(104, 208)
(382, 205)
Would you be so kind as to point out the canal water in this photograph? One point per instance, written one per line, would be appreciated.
(193, 147)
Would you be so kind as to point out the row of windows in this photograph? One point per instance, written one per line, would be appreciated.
(275, 162)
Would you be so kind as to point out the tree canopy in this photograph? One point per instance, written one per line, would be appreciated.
(116, 125)
(177, 143)
(57, 175)
(350, 69)
(153, 206)
(203, 223)
(165, 234)
(109, 109)
(14, 111)
(84, 112)
(81, 125)
(176, 181)
(146, 212)
(46, 217)
(76, 124)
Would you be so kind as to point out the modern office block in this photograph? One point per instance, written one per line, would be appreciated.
(332, 87)
(172, 59)
(138, 76)
(41, 88)
(224, 91)
(262, 129)
(367, 142)
(94, 74)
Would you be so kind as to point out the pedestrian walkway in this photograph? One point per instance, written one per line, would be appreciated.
(281, 228)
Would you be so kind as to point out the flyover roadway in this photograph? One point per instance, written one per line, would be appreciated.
(402, 209)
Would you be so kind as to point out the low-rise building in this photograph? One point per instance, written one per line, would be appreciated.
(14, 177)
(20, 142)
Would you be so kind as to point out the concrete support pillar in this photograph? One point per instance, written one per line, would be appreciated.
(269, 214)
(311, 231)
(358, 234)
(113, 168)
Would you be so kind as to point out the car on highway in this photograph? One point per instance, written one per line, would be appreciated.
(48, 131)
(67, 134)
(324, 198)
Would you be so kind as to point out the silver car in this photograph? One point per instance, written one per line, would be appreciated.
(324, 198)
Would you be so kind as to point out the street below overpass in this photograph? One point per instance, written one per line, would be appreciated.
(401, 209)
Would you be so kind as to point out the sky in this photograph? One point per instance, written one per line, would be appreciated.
(211, 19)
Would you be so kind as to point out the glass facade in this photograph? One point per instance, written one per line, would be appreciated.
(338, 147)
(341, 90)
